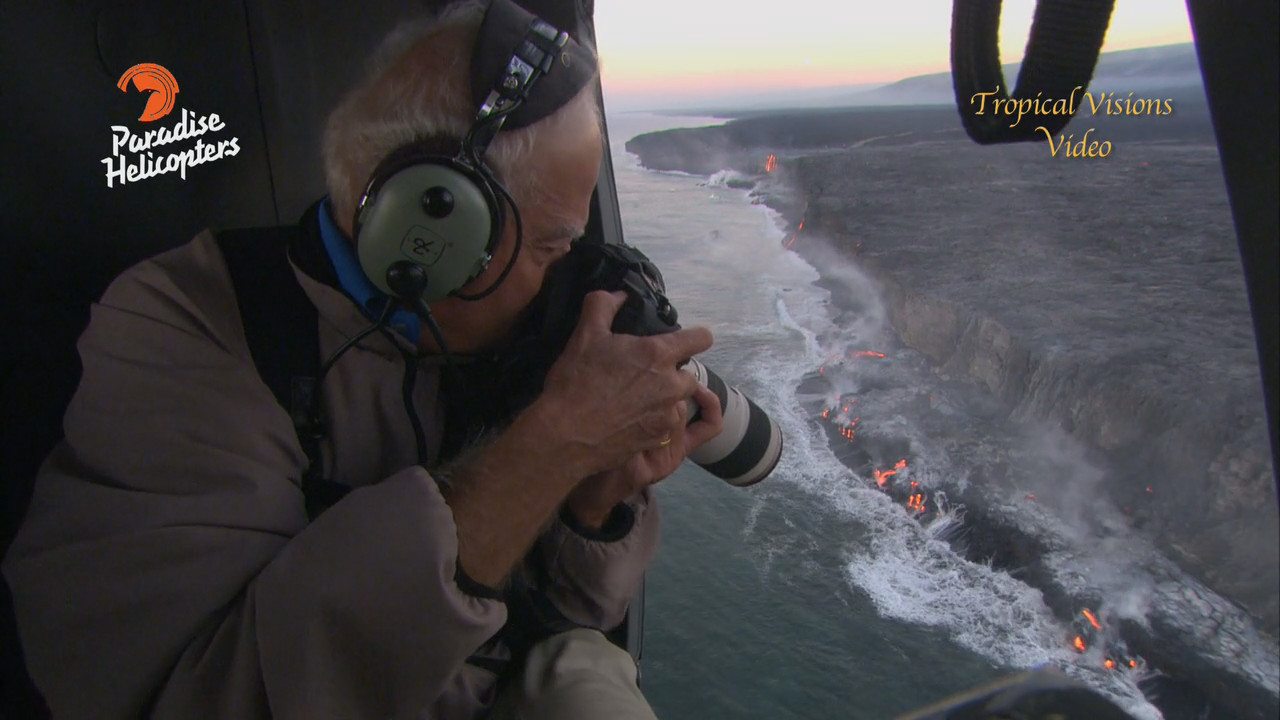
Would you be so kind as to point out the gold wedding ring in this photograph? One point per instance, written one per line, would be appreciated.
(665, 441)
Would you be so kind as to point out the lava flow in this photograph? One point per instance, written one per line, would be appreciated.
(853, 354)
(915, 504)
(771, 163)
(792, 240)
(1089, 635)
(915, 498)
(1092, 619)
(882, 476)
(845, 424)
(1115, 652)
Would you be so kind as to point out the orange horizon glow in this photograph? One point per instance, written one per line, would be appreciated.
(714, 47)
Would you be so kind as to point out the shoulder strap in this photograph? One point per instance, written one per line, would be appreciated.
(280, 323)
(281, 327)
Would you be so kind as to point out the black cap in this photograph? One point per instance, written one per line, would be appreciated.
(502, 32)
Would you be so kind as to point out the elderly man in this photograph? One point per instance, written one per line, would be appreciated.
(168, 566)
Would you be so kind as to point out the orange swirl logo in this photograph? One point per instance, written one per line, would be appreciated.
(154, 79)
(138, 154)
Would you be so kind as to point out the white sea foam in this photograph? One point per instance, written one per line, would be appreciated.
(729, 179)
(907, 571)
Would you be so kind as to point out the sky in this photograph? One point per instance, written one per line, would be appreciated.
(656, 52)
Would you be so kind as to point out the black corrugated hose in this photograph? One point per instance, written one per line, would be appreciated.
(1066, 38)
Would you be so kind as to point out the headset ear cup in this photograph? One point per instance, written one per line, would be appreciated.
(436, 213)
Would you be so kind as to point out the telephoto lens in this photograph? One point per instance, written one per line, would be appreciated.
(749, 446)
(750, 443)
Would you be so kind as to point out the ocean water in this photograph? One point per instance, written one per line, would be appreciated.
(814, 594)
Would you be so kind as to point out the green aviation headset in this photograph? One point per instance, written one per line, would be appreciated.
(429, 223)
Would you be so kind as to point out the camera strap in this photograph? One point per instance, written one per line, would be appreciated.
(281, 327)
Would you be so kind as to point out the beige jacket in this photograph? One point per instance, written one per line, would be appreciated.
(166, 565)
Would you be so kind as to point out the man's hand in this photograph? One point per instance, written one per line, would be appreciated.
(618, 395)
(593, 499)
(608, 399)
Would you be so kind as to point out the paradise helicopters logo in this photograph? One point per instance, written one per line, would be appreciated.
(138, 155)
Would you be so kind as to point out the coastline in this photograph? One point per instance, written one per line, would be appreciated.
(1014, 320)
(1162, 380)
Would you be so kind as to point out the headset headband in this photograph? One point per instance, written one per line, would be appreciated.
(438, 217)
(537, 45)
(532, 59)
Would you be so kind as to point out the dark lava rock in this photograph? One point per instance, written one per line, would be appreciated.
(1102, 295)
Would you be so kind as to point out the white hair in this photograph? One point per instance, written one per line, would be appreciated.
(418, 85)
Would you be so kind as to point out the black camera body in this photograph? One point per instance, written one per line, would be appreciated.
(487, 392)
(593, 266)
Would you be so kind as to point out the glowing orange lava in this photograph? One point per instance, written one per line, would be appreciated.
(882, 476)
(866, 353)
(1109, 663)
(1092, 620)
(771, 164)
(792, 240)
(915, 503)
(1079, 643)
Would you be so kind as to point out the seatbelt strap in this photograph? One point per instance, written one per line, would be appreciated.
(281, 327)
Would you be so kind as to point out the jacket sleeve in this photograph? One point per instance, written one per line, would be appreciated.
(166, 564)
(593, 576)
